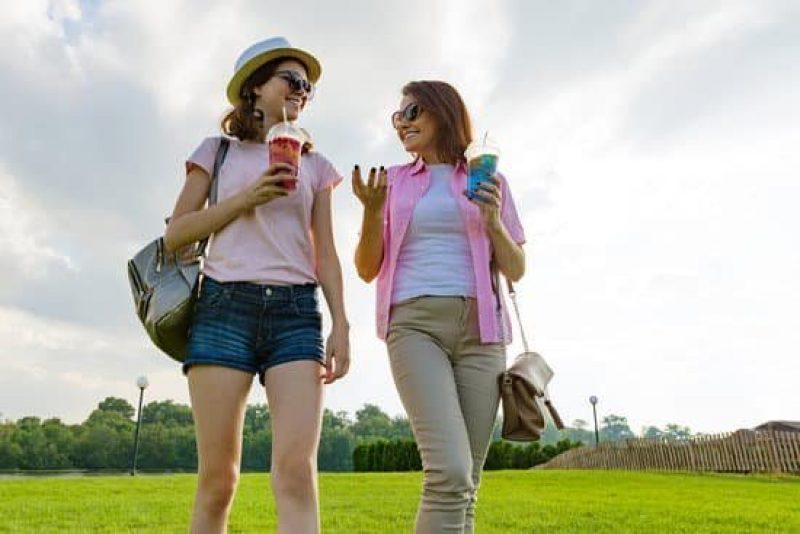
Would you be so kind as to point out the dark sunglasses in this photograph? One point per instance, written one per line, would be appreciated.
(410, 113)
(296, 83)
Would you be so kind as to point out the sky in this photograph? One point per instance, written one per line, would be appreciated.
(652, 150)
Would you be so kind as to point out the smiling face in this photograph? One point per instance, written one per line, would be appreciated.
(278, 92)
(418, 134)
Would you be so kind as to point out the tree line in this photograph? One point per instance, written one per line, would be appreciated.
(403, 455)
(167, 442)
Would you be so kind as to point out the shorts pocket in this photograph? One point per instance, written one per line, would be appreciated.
(212, 295)
(306, 305)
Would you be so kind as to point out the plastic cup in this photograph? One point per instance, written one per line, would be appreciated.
(285, 145)
(482, 156)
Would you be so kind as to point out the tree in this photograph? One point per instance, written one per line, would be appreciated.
(99, 446)
(360, 459)
(401, 428)
(579, 424)
(550, 434)
(117, 405)
(579, 432)
(336, 443)
(257, 449)
(168, 413)
(165, 446)
(652, 432)
(372, 422)
(615, 428)
(60, 444)
(256, 417)
(674, 431)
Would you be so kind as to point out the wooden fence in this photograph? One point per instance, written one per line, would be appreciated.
(743, 451)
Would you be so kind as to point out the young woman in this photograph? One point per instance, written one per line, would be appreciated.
(258, 311)
(444, 325)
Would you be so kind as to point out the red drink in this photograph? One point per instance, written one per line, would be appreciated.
(285, 145)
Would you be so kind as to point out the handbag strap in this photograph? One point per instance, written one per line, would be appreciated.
(222, 151)
(513, 294)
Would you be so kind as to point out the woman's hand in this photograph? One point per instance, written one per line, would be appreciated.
(271, 185)
(372, 194)
(490, 198)
(337, 354)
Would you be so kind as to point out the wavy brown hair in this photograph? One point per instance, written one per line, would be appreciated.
(244, 121)
(453, 124)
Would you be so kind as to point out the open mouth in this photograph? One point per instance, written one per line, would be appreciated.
(410, 134)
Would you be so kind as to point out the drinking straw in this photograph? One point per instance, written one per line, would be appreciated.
(285, 120)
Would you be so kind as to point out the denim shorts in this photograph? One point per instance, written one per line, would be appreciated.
(253, 327)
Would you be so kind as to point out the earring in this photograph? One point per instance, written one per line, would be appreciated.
(250, 100)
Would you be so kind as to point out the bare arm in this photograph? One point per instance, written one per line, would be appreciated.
(509, 256)
(191, 223)
(329, 274)
(369, 251)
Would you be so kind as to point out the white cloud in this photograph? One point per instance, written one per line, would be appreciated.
(25, 235)
(652, 153)
(474, 38)
(23, 331)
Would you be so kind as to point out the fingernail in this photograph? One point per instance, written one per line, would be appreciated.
(356, 167)
(381, 168)
(372, 169)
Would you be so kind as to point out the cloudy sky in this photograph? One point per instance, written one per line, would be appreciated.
(652, 148)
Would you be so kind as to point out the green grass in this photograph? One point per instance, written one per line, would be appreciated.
(509, 502)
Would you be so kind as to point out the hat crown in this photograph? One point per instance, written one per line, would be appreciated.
(267, 45)
(260, 54)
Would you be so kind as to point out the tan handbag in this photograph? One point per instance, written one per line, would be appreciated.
(523, 390)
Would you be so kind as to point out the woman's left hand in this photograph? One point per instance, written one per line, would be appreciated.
(337, 354)
(489, 201)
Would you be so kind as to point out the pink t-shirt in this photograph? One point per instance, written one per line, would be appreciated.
(273, 243)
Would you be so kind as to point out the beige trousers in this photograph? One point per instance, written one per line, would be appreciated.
(447, 381)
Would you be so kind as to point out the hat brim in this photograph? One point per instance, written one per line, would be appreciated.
(313, 68)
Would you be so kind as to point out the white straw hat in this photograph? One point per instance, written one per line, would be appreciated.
(264, 52)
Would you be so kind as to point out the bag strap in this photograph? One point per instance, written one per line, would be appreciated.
(495, 272)
(222, 151)
(513, 294)
(554, 415)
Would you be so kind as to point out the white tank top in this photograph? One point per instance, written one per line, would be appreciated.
(435, 258)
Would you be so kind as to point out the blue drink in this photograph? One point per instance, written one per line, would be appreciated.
(481, 169)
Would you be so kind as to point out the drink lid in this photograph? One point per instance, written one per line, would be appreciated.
(480, 146)
(286, 129)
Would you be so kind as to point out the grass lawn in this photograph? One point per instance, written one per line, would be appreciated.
(510, 501)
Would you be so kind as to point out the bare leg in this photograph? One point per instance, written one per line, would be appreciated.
(218, 397)
(294, 393)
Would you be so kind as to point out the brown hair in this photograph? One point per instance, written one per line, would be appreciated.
(244, 121)
(453, 125)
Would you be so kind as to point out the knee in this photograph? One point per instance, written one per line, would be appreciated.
(217, 487)
(454, 478)
(293, 475)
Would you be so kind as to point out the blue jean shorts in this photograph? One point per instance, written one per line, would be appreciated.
(254, 327)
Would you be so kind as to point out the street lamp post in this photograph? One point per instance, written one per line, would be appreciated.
(593, 400)
(141, 383)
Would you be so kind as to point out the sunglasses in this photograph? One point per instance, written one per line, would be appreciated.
(410, 113)
(296, 82)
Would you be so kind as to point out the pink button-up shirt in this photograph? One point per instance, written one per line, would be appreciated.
(409, 183)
